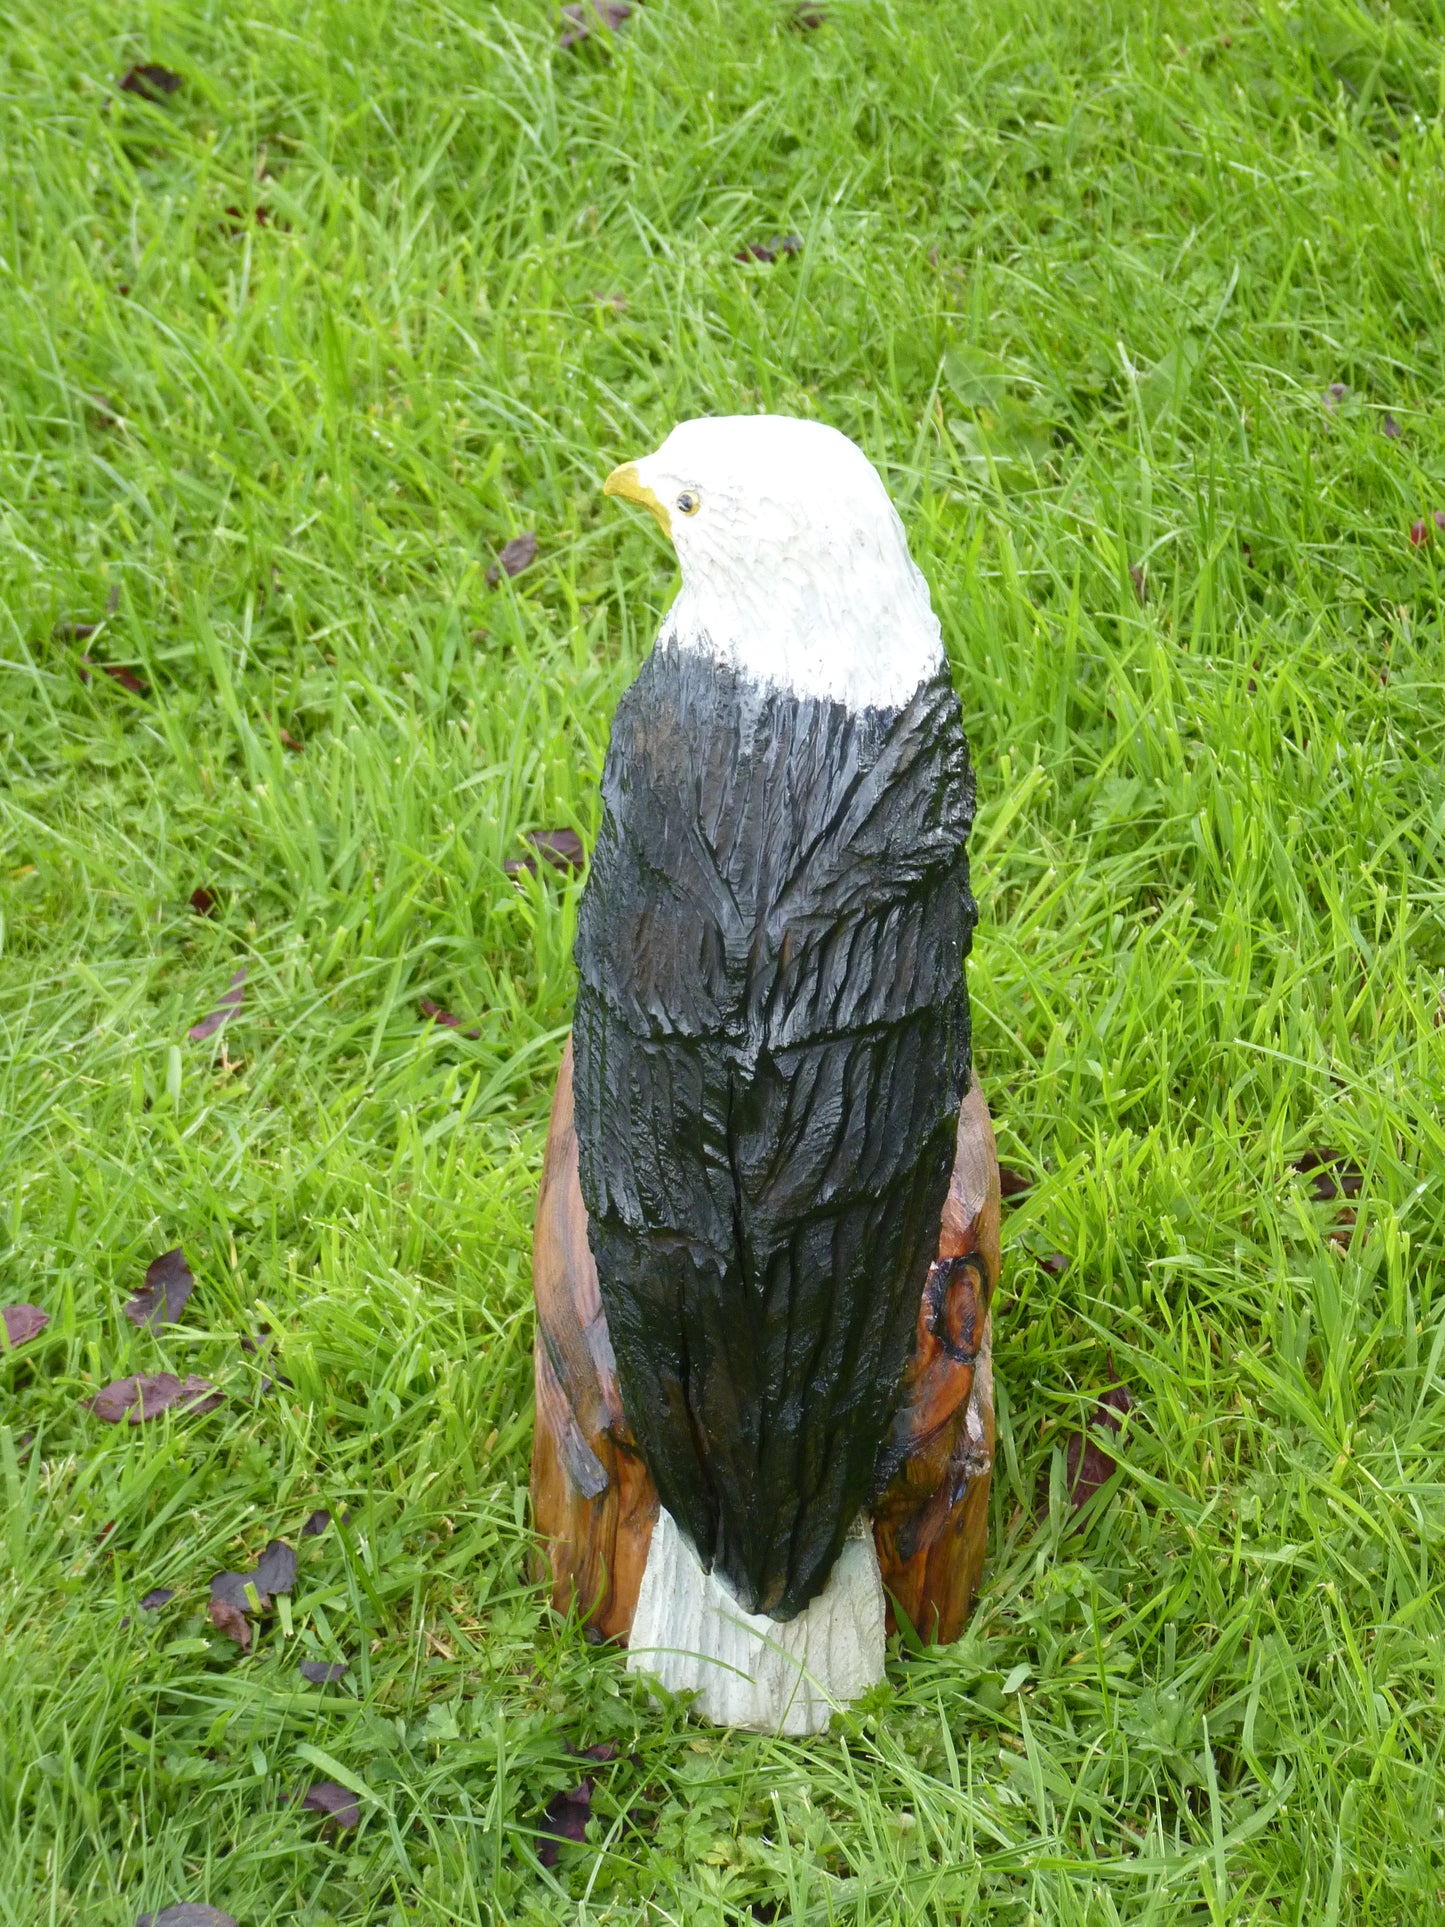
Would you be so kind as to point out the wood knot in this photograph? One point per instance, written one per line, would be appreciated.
(955, 1289)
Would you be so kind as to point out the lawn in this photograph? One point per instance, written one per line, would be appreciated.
(1139, 310)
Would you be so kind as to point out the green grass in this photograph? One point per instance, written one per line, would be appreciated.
(1077, 276)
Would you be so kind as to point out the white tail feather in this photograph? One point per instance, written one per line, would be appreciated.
(691, 1635)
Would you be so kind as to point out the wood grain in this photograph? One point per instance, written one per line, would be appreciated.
(930, 1524)
(593, 1500)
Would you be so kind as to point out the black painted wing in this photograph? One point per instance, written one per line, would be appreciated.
(772, 1043)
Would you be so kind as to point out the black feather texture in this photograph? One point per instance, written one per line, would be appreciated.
(771, 1046)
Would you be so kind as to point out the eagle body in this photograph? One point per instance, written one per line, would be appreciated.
(771, 1047)
(758, 1393)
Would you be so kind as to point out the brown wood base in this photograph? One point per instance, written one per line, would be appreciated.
(593, 1500)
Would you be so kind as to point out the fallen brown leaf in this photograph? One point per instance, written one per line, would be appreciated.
(149, 81)
(127, 678)
(1087, 1463)
(520, 553)
(323, 1672)
(1331, 1175)
(147, 1395)
(190, 1913)
(203, 901)
(162, 1298)
(581, 18)
(276, 1569)
(237, 223)
(22, 1323)
(227, 1007)
(770, 250)
(228, 1618)
(1013, 1184)
(337, 1802)
(443, 1017)
(250, 1592)
(562, 849)
(565, 1819)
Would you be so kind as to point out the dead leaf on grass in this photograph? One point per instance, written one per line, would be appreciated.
(162, 1298)
(239, 1597)
(322, 1672)
(203, 901)
(1331, 1175)
(227, 1007)
(127, 678)
(581, 18)
(1087, 1463)
(443, 1017)
(562, 849)
(785, 244)
(565, 1819)
(157, 1597)
(337, 1802)
(237, 223)
(520, 553)
(1054, 1263)
(228, 1618)
(1013, 1184)
(318, 1522)
(149, 81)
(22, 1323)
(147, 1395)
(190, 1913)
(276, 1569)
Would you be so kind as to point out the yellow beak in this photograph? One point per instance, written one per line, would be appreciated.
(627, 483)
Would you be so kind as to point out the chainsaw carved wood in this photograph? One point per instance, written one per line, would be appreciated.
(767, 1240)
(593, 1502)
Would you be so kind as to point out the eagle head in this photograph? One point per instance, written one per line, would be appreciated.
(795, 566)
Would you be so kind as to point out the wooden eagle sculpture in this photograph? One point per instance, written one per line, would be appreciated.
(767, 1236)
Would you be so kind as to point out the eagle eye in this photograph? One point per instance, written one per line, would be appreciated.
(688, 503)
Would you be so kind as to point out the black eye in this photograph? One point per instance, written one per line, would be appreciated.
(687, 503)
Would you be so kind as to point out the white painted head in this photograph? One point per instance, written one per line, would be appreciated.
(795, 566)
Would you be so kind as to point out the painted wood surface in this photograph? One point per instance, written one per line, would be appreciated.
(770, 1046)
(593, 1501)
